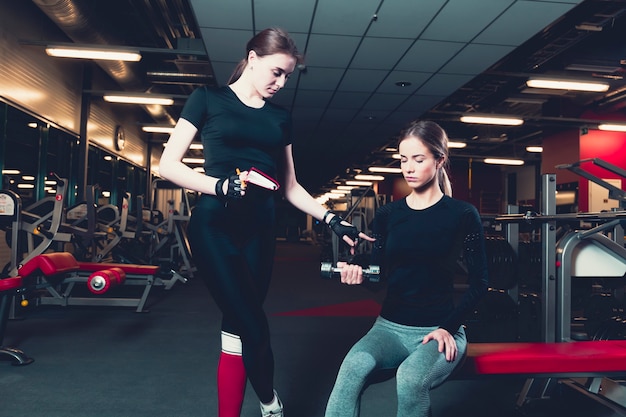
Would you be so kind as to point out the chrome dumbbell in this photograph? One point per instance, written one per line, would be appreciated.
(328, 271)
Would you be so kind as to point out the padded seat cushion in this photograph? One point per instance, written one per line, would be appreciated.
(133, 269)
(50, 264)
(605, 356)
(11, 283)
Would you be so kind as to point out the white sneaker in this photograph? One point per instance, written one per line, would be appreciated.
(277, 411)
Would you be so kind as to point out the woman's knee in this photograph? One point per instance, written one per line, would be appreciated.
(412, 378)
(357, 366)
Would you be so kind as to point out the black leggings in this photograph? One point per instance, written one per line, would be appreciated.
(233, 250)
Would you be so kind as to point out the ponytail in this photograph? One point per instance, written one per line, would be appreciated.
(237, 71)
(444, 182)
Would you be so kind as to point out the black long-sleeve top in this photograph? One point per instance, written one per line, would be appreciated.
(418, 251)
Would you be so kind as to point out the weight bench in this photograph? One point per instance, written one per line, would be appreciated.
(10, 287)
(585, 366)
(59, 272)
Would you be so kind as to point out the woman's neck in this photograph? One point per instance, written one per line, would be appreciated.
(247, 94)
(420, 200)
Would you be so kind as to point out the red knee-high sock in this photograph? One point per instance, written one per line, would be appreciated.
(231, 385)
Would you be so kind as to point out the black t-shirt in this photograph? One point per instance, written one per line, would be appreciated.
(418, 251)
(237, 136)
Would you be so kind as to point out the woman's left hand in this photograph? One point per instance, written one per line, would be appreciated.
(446, 342)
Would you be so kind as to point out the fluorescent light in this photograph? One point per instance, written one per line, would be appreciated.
(193, 160)
(158, 129)
(175, 74)
(537, 149)
(612, 127)
(366, 177)
(606, 69)
(197, 146)
(338, 192)
(559, 84)
(492, 120)
(385, 170)
(11, 171)
(498, 161)
(457, 145)
(138, 99)
(588, 27)
(360, 183)
(93, 53)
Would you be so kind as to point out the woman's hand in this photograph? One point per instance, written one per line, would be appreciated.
(231, 187)
(350, 274)
(347, 232)
(446, 342)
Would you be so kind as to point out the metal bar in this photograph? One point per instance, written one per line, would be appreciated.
(537, 217)
(512, 236)
(548, 262)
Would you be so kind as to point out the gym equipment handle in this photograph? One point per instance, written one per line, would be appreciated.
(328, 271)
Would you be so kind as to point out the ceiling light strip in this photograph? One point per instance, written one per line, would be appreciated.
(558, 84)
(492, 120)
(499, 161)
(92, 53)
(139, 99)
(612, 127)
(385, 170)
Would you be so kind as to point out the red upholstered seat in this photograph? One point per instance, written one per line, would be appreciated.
(54, 263)
(50, 264)
(129, 269)
(11, 283)
(605, 356)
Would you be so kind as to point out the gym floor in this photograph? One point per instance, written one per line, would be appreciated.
(113, 362)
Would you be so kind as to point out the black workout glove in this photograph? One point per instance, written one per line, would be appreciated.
(343, 228)
(234, 192)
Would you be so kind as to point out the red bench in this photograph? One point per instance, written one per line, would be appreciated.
(586, 366)
(59, 272)
(583, 359)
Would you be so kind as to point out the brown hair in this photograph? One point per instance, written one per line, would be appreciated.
(436, 140)
(267, 42)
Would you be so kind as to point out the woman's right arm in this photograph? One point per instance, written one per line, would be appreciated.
(171, 166)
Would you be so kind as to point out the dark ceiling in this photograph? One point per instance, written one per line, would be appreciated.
(374, 65)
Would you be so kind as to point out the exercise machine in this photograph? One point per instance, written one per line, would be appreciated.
(42, 230)
(11, 286)
(59, 272)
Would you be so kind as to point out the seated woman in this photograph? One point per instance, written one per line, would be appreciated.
(419, 240)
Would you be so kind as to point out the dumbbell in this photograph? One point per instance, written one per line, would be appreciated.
(328, 271)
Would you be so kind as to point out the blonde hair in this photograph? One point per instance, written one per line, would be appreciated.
(267, 42)
(436, 140)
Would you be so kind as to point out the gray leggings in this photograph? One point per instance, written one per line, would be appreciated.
(391, 345)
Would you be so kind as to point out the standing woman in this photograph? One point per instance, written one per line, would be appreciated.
(419, 240)
(231, 229)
